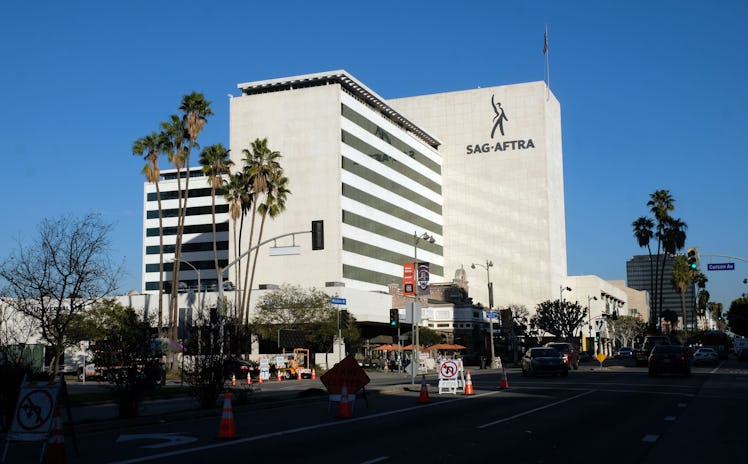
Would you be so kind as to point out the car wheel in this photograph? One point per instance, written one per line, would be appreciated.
(576, 366)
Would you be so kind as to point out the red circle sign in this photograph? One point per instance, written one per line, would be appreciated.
(448, 369)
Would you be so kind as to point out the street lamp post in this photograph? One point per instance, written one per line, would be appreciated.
(589, 315)
(415, 361)
(487, 267)
(199, 286)
(561, 292)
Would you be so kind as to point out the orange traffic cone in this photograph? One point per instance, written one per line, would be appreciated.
(424, 396)
(259, 377)
(56, 441)
(504, 381)
(314, 374)
(469, 384)
(249, 379)
(227, 429)
(344, 406)
(233, 379)
(298, 375)
(278, 376)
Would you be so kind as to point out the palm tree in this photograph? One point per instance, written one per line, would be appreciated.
(195, 110)
(174, 135)
(150, 147)
(216, 164)
(237, 195)
(643, 234)
(660, 204)
(275, 203)
(260, 164)
(682, 278)
(673, 239)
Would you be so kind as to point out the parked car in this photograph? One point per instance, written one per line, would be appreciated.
(625, 352)
(240, 368)
(568, 351)
(705, 356)
(669, 359)
(544, 360)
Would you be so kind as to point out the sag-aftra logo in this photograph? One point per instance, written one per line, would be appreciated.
(499, 118)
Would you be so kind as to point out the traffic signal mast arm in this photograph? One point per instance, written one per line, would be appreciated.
(725, 256)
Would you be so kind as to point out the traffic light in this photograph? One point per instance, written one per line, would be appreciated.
(597, 336)
(693, 259)
(345, 319)
(394, 317)
(318, 235)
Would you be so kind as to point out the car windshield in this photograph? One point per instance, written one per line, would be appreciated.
(545, 353)
(559, 346)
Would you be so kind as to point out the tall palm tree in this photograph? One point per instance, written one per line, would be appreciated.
(216, 164)
(237, 195)
(260, 164)
(276, 193)
(682, 278)
(660, 204)
(673, 237)
(150, 147)
(195, 111)
(643, 233)
(174, 135)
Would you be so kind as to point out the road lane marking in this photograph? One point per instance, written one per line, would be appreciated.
(379, 459)
(531, 411)
(669, 418)
(650, 438)
(297, 430)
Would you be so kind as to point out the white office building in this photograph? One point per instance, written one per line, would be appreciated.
(372, 176)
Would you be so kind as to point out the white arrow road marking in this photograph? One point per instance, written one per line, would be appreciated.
(168, 439)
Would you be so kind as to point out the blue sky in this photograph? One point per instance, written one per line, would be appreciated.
(652, 97)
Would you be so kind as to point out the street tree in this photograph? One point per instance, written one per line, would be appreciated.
(59, 274)
(626, 329)
(293, 307)
(738, 316)
(560, 318)
(682, 280)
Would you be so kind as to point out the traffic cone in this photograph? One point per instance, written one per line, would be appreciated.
(469, 384)
(424, 396)
(504, 381)
(344, 406)
(233, 379)
(298, 375)
(278, 376)
(56, 441)
(259, 377)
(227, 429)
(314, 374)
(249, 379)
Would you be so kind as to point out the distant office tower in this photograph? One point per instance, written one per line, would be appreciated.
(638, 276)
(197, 245)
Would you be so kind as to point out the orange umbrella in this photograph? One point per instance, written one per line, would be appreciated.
(410, 348)
(386, 347)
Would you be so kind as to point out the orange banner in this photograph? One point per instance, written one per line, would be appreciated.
(409, 279)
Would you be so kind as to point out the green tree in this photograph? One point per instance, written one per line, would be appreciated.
(738, 316)
(671, 317)
(310, 310)
(625, 329)
(239, 197)
(560, 318)
(150, 147)
(660, 203)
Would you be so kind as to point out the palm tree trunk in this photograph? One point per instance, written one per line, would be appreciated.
(174, 295)
(245, 300)
(160, 262)
(254, 263)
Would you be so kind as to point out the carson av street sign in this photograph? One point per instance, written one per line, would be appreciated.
(720, 266)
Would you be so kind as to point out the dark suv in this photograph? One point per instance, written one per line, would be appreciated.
(569, 352)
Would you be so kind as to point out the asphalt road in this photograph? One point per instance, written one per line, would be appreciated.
(614, 414)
